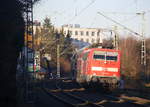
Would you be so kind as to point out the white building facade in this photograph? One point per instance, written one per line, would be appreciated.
(90, 35)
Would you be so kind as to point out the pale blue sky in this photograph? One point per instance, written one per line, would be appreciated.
(75, 12)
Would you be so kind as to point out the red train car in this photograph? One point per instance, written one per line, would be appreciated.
(98, 65)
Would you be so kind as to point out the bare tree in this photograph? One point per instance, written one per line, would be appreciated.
(130, 57)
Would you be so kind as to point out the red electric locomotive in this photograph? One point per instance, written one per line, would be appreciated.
(100, 66)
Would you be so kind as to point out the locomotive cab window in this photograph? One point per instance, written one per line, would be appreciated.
(112, 56)
(109, 56)
(99, 55)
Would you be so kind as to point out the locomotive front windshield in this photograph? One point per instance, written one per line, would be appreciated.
(103, 55)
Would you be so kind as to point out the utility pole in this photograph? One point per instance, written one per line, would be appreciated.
(116, 41)
(143, 45)
(58, 60)
(29, 52)
(58, 55)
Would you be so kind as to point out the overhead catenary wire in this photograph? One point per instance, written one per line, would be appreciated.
(80, 12)
(143, 46)
(119, 24)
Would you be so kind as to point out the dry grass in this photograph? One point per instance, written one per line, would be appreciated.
(136, 99)
(147, 85)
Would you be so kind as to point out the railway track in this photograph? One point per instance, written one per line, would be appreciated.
(110, 100)
(127, 101)
(69, 99)
(83, 99)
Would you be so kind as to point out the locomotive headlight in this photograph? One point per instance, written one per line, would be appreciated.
(97, 68)
(114, 75)
(112, 69)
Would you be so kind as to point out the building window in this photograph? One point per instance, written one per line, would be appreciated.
(87, 33)
(81, 32)
(70, 32)
(64, 32)
(76, 32)
(87, 40)
(98, 33)
(82, 39)
(93, 33)
(98, 40)
(93, 40)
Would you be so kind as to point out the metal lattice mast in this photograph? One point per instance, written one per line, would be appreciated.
(143, 52)
(29, 53)
(143, 48)
(58, 55)
(116, 39)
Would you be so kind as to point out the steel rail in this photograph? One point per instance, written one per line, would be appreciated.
(79, 98)
(85, 102)
(89, 103)
(127, 101)
(114, 97)
(58, 98)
